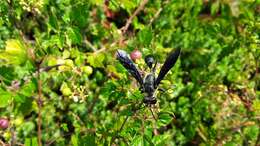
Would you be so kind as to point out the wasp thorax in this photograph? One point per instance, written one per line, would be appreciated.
(149, 60)
(149, 84)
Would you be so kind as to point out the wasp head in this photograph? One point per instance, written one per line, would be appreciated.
(149, 60)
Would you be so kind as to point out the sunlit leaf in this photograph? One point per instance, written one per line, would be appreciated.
(5, 98)
(15, 52)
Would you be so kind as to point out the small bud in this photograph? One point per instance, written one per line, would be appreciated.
(136, 54)
(4, 123)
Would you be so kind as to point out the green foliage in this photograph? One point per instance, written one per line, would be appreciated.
(57, 65)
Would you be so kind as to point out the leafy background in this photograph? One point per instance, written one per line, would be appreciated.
(60, 83)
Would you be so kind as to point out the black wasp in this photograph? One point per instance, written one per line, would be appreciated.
(149, 83)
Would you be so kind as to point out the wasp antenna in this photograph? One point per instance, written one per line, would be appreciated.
(154, 67)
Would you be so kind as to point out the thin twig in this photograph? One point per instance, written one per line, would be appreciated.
(155, 16)
(123, 29)
(130, 19)
(2, 143)
(122, 126)
(158, 12)
(13, 139)
(90, 45)
(201, 134)
(78, 118)
(39, 103)
(100, 50)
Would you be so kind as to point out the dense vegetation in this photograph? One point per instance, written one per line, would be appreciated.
(60, 83)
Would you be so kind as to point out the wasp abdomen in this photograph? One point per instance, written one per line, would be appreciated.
(149, 89)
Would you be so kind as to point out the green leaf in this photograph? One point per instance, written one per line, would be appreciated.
(145, 36)
(25, 107)
(64, 126)
(5, 98)
(251, 132)
(96, 60)
(214, 8)
(74, 36)
(230, 144)
(128, 4)
(27, 142)
(165, 118)
(147, 139)
(74, 140)
(138, 141)
(65, 90)
(7, 74)
(19, 98)
(142, 140)
(53, 21)
(15, 52)
(31, 141)
(34, 141)
(256, 106)
(79, 16)
(97, 2)
(28, 89)
(88, 140)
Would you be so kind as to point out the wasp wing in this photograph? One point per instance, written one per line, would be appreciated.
(124, 59)
(168, 64)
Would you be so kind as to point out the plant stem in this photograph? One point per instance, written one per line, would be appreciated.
(39, 103)
(130, 19)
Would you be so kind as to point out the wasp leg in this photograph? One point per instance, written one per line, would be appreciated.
(165, 90)
(162, 90)
(155, 131)
(150, 108)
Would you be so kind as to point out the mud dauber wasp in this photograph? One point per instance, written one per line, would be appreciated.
(149, 83)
